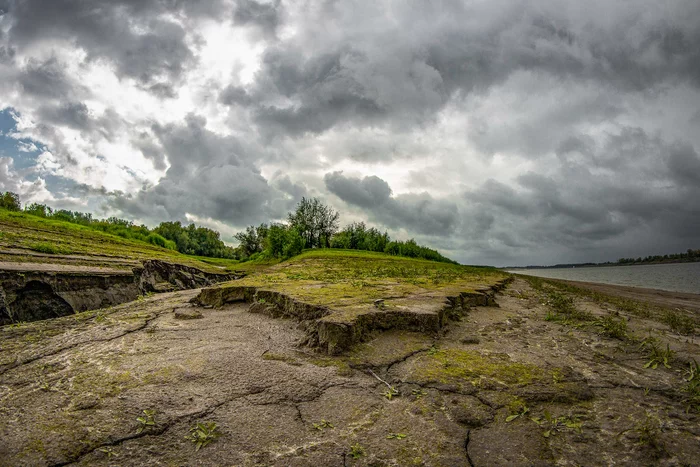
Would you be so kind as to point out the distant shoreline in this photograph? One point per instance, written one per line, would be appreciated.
(600, 265)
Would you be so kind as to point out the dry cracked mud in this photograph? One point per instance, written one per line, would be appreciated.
(502, 386)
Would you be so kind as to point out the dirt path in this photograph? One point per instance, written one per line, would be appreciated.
(503, 386)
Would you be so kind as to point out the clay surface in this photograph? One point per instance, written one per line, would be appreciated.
(501, 386)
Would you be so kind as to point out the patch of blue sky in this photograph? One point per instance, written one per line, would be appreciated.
(23, 151)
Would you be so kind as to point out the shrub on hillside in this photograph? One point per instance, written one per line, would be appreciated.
(10, 201)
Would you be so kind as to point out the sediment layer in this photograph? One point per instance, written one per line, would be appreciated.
(30, 295)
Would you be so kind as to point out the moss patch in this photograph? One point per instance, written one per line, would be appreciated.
(455, 366)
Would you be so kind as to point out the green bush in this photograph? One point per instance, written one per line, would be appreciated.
(157, 240)
(10, 201)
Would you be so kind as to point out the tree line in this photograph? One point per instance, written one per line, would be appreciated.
(315, 225)
(687, 257)
(311, 225)
(190, 239)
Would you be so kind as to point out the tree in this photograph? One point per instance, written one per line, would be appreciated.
(251, 241)
(315, 222)
(10, 201)
(37, 209)
(357, 236)
(282, 241)
(174, 232)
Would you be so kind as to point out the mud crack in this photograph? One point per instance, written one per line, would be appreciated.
(466, 448)
(161, 429)
(10, 366)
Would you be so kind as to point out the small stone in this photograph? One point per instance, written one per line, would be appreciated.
(379, 303)
(187, 313)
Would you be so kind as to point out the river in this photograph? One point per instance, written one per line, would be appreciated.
(675, 277)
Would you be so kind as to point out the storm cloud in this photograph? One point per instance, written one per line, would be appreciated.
(499, 132)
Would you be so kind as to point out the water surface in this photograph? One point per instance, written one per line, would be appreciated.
(676, 277)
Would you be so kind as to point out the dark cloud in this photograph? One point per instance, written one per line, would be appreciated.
(366, 192)
(134, 35)
(267, 16)
(295, 190)
(7, 54)
(163, 90)
(653, 187)
(209, 176)
(364, 77)
(145, 142)
(232, 194)
(47, 79)
(233, 95)
(684, 165)
(72, 114)
(419, 213)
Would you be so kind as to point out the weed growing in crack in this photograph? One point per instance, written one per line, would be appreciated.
(553, 425)
(611, 327)
(678, 322)
(521, 413)
(551, 316)
(323, 424)
(656, 354)
(108, 451)
(357, 451)
(396, 436)
(391, 393)
(203, 433)
(562, 308)
(647, 433)
(692, 386)
(146, 420)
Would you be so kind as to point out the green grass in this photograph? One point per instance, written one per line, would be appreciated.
(49, 248)
(54, 237)
(347, 278)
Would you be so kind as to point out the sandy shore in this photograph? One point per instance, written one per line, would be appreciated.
(658, 297)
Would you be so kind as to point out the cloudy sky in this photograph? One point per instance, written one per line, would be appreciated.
(499, 132)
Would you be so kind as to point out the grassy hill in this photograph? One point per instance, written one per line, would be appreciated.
(27, 238)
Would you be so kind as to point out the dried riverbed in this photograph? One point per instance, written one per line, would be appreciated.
(503, 386)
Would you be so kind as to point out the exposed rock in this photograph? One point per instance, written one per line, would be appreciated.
(31, 296)
(156, 275)
(35, 295)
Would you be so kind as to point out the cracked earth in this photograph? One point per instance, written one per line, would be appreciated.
(500, 387)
